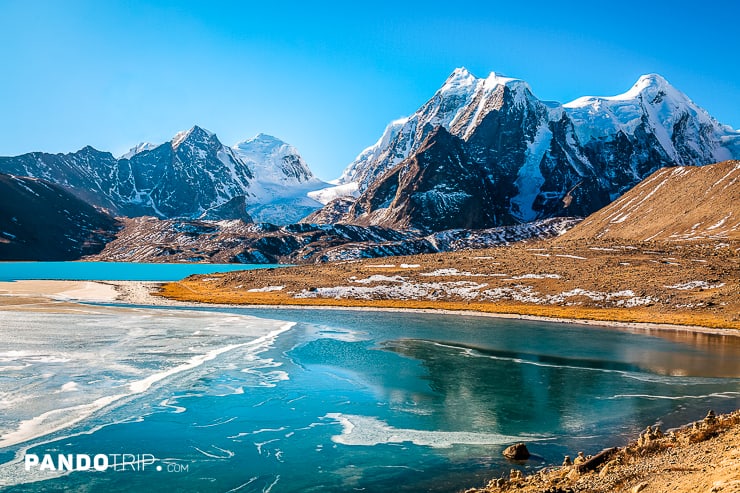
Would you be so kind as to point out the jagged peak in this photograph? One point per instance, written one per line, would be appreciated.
(460, 73)
(195, 132)
(88, 149)
(459, 79)
(141, 147)
(463, 83)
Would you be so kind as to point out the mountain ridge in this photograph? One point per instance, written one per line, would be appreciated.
(193, 175)
(542, 158)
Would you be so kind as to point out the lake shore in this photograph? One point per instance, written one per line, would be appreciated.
(45, 295)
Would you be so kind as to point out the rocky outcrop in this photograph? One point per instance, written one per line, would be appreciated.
(148, 239)
(518, 451)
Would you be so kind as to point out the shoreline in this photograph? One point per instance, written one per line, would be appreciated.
(144, 293)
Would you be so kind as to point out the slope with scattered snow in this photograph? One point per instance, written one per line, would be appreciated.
(673, 204)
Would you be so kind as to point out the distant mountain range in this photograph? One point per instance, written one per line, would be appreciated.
(192, 176)
(487, 152)
(480, 156)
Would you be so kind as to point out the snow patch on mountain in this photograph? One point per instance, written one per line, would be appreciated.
(326, 195)
(529, 180)
(143, 146)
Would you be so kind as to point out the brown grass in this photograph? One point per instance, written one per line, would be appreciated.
(646, 269)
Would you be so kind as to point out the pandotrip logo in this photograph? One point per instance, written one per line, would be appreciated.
(101, 463)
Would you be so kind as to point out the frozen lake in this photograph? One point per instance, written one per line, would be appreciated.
(325, 400)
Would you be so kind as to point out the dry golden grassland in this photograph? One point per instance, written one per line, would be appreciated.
(681, 284)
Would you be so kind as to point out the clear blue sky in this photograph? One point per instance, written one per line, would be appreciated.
(327, 79)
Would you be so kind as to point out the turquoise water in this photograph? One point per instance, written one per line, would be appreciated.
(321, 400)
(112, 271)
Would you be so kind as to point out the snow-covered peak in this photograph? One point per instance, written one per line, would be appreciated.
(273, 160)
(495, 79)
(648, 82)
(648, 87)
(459, 79)
(144, 146)
(459, 106)
(462, 81)
(195, 134)
(262, 143)
(655, 106)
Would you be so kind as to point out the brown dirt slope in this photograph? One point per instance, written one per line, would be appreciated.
(672, 204)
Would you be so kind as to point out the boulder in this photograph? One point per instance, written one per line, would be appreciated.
(516, 452)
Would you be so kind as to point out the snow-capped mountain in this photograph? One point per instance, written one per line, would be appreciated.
(458, 106)
(282, 180)
(274, 161)
(193, 176)
(518, 158)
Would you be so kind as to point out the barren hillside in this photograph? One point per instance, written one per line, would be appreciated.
(672, 204)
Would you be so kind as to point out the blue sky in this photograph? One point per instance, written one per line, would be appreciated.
(328, 78)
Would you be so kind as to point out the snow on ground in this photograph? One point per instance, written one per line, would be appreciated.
(266, 289)
(450, 272)
(534, 276)
(403, 289)
(695, 285)
(379, 278)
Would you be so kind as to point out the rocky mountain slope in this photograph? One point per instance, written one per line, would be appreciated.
(673, 204)
(520, 158)
(193, 176)
(41, 221)
(148, 239)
